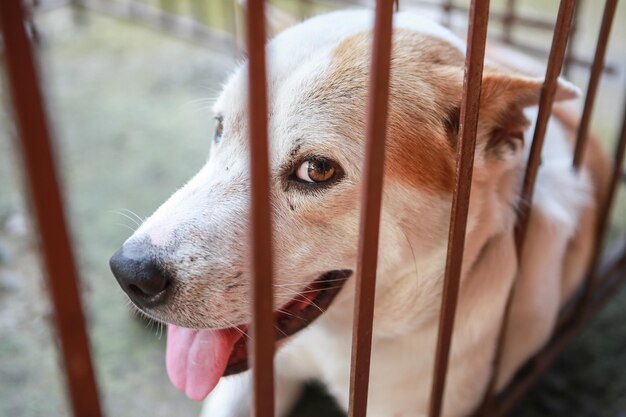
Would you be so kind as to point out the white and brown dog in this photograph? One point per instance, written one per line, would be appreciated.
(187, 265)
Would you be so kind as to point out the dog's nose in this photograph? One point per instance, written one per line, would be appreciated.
(139, 275)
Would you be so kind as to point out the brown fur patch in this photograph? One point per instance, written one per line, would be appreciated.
(426, 81)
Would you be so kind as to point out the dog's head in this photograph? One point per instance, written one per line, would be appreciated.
(187, 265)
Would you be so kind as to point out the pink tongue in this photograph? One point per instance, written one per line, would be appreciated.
(196, 359)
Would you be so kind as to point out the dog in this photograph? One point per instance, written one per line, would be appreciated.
(187, 265)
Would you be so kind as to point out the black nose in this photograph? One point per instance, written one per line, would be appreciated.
(139, 275)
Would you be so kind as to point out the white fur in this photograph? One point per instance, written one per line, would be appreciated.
(412, 252)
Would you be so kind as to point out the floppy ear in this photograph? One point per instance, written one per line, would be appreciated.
(502, 122)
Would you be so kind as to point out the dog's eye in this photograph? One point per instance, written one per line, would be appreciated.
(316, 170)
(219, 129)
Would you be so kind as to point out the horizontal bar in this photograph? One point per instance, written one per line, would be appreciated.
(555, 63)
(450, 6)
(47, 204)
(371, 195)
(570, 59)
(263, 337)
(178, 25)
(470, 105)
(594, 79)
(190, 29)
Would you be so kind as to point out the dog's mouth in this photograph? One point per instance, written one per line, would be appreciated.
(197, 358)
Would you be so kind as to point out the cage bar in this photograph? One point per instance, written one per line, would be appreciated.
(594, 79)
(477, 36)
(43, 187)
(603, 218)
(606, 272)
(508, 19)
(555, 63)
(570, 53)
(262, 332)
(612, 274)
(371, 195)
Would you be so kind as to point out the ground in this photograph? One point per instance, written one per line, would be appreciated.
(131, 113)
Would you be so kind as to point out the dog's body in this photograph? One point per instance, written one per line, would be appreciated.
(318, 87)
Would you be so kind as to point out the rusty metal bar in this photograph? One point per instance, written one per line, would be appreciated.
(555, 63)
(594, 79)
(508, 18)
(451, 6)
(371, 195)
(523, 21)
(612, 277)
(477, 35)
(263, 332)
(570, 58)
(447, 7)
(41, 175)
(181, 26)
(609, 273)
(604, 217)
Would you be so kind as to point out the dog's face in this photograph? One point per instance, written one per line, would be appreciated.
(196, 243)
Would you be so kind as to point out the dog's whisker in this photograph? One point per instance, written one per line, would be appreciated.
(305, 297)
(310, 291)
(128, 217)
(290, 314)
(412, 251)
(230, 325)
(280, 330)
(139, 218)
(294, 284)
(125, 225)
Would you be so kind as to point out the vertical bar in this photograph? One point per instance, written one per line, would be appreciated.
(167, 8)
(446, 8)
(29, 10)
(604, 217)
(508, 19)
(304, 9)
(263, 336)
(371, 195)
(555, 63)
(200, 14)
(594, 80)
(36, 150)
(474, 60)
(570, 53)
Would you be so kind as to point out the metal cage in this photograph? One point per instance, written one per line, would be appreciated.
(608, 268)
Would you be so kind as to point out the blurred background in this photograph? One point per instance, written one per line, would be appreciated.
(129, 87)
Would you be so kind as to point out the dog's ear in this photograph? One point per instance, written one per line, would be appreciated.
(501, 120)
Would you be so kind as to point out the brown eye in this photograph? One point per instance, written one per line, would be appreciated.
(316, 170)
(219, 129)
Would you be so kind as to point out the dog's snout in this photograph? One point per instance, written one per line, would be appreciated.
(140, 276)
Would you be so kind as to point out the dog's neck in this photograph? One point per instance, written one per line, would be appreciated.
(413, 255)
